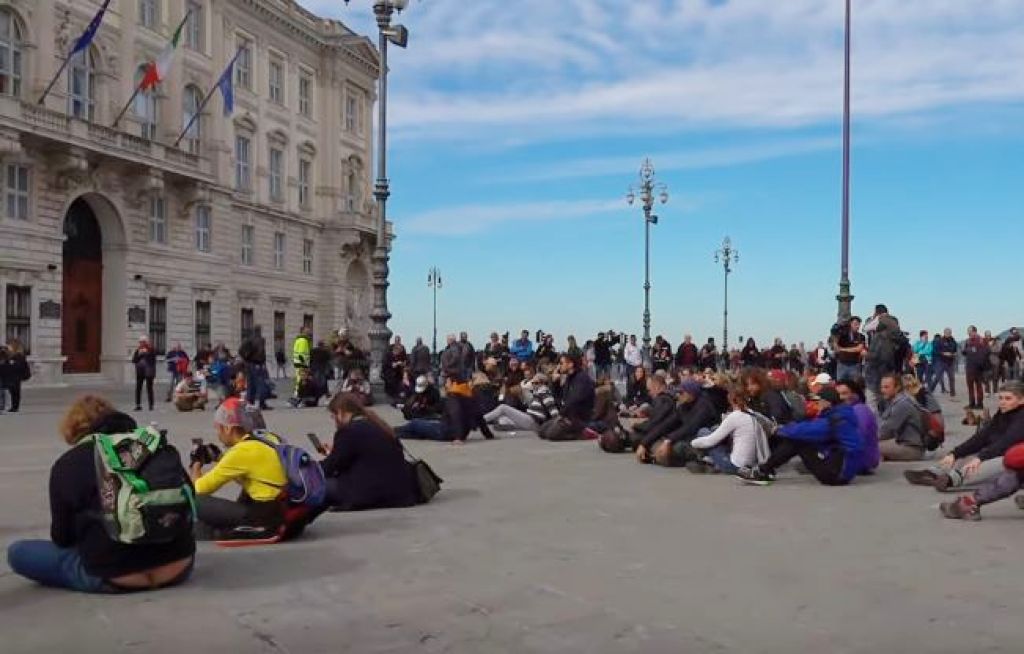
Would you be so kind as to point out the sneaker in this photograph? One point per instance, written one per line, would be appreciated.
(964, 508)
(921, 477)
(698, 467)
(754, 477)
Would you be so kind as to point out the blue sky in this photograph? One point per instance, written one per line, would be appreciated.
(518, 126)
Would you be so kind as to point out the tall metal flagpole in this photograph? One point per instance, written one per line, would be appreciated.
(844, 298)
(202, 105)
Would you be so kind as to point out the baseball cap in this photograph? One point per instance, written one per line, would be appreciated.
(232, 413)
(421, 384)
(823, 379)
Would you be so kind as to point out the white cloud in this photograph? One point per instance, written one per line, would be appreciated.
(473, 219)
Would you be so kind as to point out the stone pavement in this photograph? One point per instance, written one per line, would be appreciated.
(537, 547)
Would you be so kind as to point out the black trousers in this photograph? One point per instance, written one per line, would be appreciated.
(14, 388)
(827, 470)
(217, 514)
(148, 381)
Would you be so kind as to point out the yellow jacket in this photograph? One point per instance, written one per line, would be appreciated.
(300, 352)
(253, 466)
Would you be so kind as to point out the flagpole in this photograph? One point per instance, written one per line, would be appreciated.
(135, 94)
(202, 105)
(49, 87)
(81, 43)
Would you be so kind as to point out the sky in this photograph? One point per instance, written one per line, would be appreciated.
(517, 128)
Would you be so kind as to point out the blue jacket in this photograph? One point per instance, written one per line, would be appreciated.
(836, 427)
(522, 350)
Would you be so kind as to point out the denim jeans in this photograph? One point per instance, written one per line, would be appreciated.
(424, 430)
(720, 459)
(848, 371)
(57, 567)
(941, 370)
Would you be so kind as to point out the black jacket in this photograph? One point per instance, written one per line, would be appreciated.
(426, 405)
(773, 405)
(370, 468)
(74, 511)
(663, 408)
(1003, 432)
(578, 397)
(145, 363)
(419, 361)
(702, 414)
(253, 350)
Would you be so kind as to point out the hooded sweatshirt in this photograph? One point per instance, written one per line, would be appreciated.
(835, 430)
(991, 441)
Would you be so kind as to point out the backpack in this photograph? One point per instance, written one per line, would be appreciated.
(933, 431)
(306, 482)
(221, 372)
(146, 497)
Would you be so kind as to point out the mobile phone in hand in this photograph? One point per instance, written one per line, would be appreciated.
(315, 440)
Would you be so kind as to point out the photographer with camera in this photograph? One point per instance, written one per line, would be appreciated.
(259, 511)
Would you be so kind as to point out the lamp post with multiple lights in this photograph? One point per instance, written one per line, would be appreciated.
(648, 190)
(434, 282)
(727, 256)
(845, 299)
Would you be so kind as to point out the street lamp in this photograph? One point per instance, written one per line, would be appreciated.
(844, 298)
(727, 256)
(647, 191)
(380, 335)
(434, 282)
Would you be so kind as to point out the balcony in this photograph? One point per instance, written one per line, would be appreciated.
(61, 128)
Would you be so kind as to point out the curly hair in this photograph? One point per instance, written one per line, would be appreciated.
(82, 415)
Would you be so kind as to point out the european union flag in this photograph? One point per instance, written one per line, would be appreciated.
(226, 84)
(90, 32)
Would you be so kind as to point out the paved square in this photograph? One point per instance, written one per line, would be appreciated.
(538, 547)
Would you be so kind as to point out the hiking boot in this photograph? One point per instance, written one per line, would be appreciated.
(944, 482)
(755, 477)
(1019, 500)
(964, 508)
(698, 467)
(921, 477)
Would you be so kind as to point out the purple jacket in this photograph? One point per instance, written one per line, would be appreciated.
(867, 427)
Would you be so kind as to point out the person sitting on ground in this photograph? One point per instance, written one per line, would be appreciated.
(190, 393)
(694, 411)
(749, 442)
(256, 467)
(542, 408)
(1009, 482)
(606, 408)
(357, 385)
(762, 398)
(425, 402)
(830, 446)
(851, 391)
(577, 403)
(900, 431)
(80, 555)
(979, 458)
(638, 400)
(365, 467)
(784, 383)
(661, 412)
(308, 389)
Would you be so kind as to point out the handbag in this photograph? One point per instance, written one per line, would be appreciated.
(428, 483)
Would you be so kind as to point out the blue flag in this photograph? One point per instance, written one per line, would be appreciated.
(89, 34)
(226, 84)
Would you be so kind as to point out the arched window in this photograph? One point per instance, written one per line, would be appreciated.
(10, 54)
(190, 109)
(82, 85)
(145, 107)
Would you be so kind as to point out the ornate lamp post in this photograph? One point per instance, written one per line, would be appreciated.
(727, 256)
(379, 333)
(647, 191)
(844, 298)
(434, 282)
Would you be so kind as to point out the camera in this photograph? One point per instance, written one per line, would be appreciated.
(203, 453)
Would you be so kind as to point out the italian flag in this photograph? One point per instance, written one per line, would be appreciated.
(156, 71)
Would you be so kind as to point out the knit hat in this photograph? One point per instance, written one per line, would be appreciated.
(691, 386)
(232, 413)
(829, 394)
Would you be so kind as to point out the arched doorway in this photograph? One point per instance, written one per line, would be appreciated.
(82, 324)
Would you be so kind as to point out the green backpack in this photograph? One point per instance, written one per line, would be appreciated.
(146, 497)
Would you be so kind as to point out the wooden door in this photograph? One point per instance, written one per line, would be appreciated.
(81, 326)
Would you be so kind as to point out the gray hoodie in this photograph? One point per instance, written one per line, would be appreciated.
(901, 419)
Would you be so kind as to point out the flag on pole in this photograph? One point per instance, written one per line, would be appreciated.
(156, 71)
(89, 34)
(226, 84)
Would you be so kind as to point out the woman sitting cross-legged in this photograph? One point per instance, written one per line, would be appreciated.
(749, 442)
(365, 467)
(830, 446)
(80, 554)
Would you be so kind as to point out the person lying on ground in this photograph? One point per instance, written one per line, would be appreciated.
(979, 458)
(830, 446)
(365, 466)
(851, 392)
(459, 417)
(81, 555)
(901, 430)
(1007, 483)
(749, 443)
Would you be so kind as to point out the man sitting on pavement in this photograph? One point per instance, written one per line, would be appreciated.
(900, 431)
(190, 393)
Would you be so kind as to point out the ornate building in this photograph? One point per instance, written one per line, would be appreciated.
(261, 218)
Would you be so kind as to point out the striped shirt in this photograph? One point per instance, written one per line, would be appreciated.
(543, 406)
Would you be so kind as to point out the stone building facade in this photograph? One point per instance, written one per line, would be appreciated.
(264, 217)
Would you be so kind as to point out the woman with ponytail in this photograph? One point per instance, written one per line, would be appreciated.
(365, 467)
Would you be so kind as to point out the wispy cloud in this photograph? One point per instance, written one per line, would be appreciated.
(473, 219)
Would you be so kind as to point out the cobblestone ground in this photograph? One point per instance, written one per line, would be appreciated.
(537, 547)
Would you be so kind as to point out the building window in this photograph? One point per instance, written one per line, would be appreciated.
(145, 108)
(194, 26)
(149, 13)
(279, 328)
(352, 199)
(158, 324)
(351, 113)
(203, 225)
(248, 237)
(204, 316)
(305, 95)
(279, 245)
(243, 178)
(19, 316)
(82, 85)
(276, 78)
(307, 321)
(157, 220)
(191, 101)
(307, 256)
(248, 324)
(243, 65)
(276, 174)
(305, 170)
(17, 191)
(10, 54)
